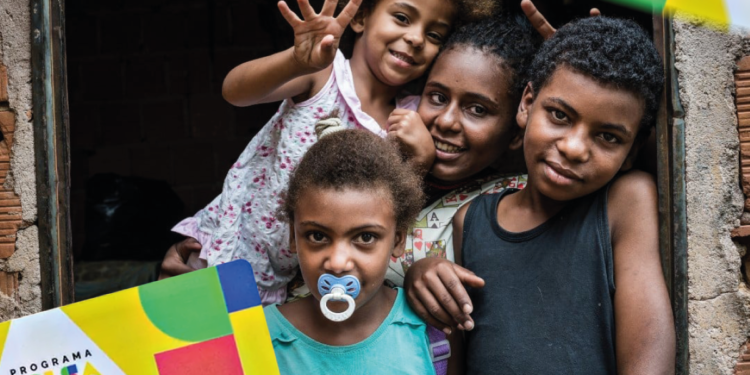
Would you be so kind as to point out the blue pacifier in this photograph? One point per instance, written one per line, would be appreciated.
(334, 288)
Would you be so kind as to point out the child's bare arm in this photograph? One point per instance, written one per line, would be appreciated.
(435, 286)
(297, 71)
(645, 338)
(408, 129)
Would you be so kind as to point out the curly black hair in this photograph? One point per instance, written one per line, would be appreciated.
(357, 159)
(508, 36)
(613, 52)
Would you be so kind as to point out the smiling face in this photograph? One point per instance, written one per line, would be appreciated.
(578, 134)
(345, 232)
(399, 39)
(466, 104)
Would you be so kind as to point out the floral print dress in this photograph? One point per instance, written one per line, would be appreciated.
(241, 223)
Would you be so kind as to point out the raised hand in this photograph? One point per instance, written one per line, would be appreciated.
(317, 35)
(540, 23)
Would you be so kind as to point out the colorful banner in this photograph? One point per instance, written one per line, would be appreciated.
(205, 322)
(719, 12)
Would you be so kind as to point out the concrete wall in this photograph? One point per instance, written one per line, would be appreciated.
(19, 272)
(719, 301)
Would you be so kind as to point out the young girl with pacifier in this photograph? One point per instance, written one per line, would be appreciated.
(396, 41)
(349, 203)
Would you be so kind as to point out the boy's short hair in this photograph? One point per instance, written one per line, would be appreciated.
(612, 51)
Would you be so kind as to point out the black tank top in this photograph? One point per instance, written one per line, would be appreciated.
(547, 305)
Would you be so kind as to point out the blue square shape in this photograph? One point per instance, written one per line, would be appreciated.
(238, 284)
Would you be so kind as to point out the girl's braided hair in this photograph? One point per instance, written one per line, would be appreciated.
(357, 159)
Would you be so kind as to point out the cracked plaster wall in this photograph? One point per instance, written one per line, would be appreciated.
(15, 54)
(719, 301)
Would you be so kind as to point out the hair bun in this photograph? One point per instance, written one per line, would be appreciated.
(328, 126)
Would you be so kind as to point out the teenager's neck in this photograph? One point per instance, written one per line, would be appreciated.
(527, 209)
(362, 324)
(375, 97)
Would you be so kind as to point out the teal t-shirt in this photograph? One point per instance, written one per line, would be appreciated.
(399, 346)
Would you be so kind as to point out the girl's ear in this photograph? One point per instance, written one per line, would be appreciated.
(292, 240)
(400, 244)
(358, 22)
(522, 116)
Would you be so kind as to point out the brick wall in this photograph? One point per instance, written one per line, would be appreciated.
(145, 91)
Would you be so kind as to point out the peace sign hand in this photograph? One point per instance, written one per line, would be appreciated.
(317, 35)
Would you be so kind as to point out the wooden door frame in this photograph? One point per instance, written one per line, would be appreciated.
(670, 144)
(51, 150)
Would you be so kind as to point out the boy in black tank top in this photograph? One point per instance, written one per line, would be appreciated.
(573, 280)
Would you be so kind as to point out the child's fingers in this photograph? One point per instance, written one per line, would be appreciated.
(187, 246)
(422, 312)
(394, 122)
(595, 12)
(329, 7)
(443, 290)
(467, 277)
(289, 16)
(432, 309)
(350, 10)
(537, 19)
(453, 296)
(306, 9)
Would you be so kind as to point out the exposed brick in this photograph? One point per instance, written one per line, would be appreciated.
(145, 77)
(8, 280)
(7, 122)
(7, 127)
(3, 83)
(194, 164)
(164, 120)
(152, 162)
(210, 117)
